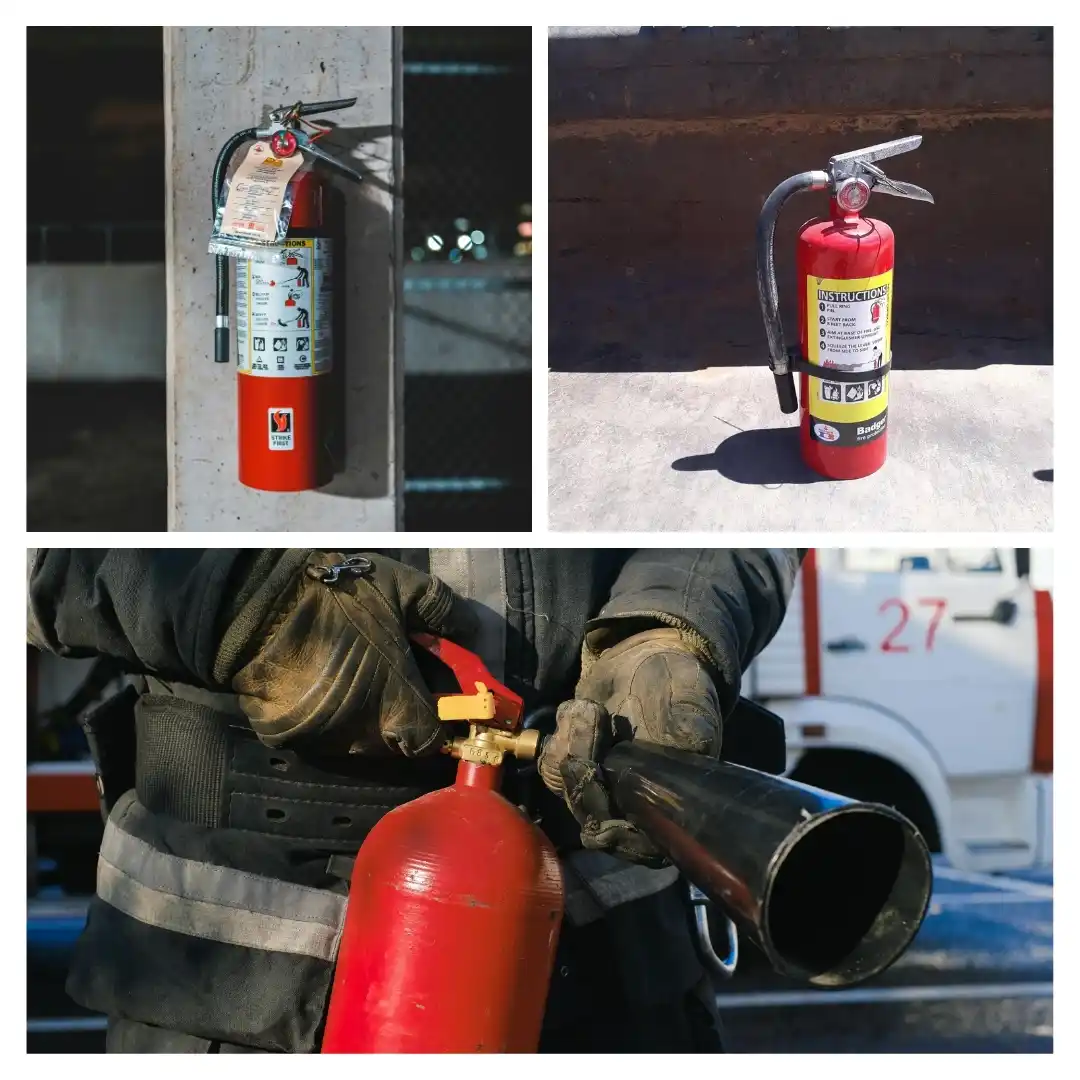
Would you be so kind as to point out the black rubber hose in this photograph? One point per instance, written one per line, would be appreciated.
(221, 267)
(766, 280)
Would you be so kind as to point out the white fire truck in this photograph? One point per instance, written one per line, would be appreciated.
(923, 679)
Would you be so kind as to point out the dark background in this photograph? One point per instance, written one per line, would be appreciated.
(665, 143)
(468, 152)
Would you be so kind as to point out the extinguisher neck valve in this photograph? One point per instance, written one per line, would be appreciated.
(488, 746)
(285, 126)
(854, 175)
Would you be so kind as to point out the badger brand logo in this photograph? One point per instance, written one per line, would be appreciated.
(853, 434)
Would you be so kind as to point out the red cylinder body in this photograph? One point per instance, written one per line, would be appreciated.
(285, 348)
(845, 269)
(449, 939)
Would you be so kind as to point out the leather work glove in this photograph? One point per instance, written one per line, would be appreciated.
(651, 686)
(331, 666)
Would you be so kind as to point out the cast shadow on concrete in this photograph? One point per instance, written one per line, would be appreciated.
(766, 456)
(1046, 475)
(361, 438)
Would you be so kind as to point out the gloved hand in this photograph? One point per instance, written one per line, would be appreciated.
(651, 686)
(331, 666)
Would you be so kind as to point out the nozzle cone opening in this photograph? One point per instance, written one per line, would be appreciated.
(847, 896)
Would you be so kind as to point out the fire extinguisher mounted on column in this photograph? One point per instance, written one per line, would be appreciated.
(285, 319)
(845, 294)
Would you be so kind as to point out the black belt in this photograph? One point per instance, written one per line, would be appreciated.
(203, 766)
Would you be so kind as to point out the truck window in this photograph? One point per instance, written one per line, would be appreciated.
(889, 560)
(974, 560)
(935, 560)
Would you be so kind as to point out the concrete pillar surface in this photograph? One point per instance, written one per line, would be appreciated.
(219, 80)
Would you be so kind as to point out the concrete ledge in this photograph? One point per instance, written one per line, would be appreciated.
(467, 320)
(95, 321)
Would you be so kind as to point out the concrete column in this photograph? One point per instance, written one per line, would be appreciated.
(217, 81)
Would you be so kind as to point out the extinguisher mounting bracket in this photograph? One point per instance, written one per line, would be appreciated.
(797, 363)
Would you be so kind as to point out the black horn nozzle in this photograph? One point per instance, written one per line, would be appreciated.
(831, 890)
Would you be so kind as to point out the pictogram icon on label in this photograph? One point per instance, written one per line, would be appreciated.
(287, 311)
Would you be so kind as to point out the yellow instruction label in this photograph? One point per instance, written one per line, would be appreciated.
(849, 326)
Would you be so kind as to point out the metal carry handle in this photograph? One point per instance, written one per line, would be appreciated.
(325, 106)
(857, 165)
(879, 151)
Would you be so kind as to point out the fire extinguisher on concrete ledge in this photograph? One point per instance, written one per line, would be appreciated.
(287, 408)
(845, 301)
(456, 898)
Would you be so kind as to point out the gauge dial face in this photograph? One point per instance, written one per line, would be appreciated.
(283, 143)
(853, 194)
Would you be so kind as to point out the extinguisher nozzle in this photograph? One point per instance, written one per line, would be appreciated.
(221, 344)
(785, 391)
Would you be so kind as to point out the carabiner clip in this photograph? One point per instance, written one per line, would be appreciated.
(352, 564)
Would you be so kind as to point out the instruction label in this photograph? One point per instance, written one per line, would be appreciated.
(849, 326)
(284, 314)
(256, 194)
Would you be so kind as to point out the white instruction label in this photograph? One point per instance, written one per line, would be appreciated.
(284, 314)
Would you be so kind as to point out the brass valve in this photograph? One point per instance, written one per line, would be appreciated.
(484, 745)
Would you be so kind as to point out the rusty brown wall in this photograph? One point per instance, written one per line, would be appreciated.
(664, 144)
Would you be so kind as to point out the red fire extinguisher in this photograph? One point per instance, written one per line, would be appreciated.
(456, 898)
(844, 304)
(455, 903)
(285, 316)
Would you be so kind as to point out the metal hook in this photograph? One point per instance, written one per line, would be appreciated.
(352, 564)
